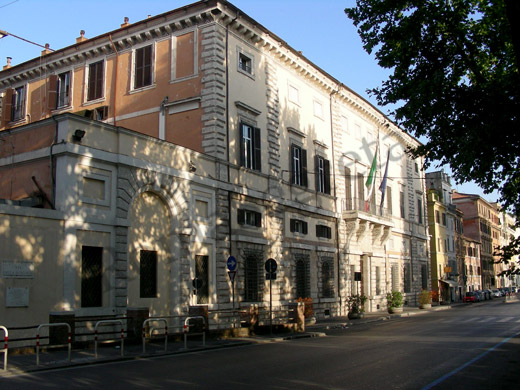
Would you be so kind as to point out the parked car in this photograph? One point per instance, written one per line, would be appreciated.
(497, 293)
(481, 294)
(489, 294)
(471, 297)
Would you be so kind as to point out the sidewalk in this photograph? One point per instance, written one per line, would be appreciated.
(18, 364)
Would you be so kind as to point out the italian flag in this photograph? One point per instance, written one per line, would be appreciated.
(371, 181)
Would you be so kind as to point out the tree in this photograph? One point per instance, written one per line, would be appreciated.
(456, 82)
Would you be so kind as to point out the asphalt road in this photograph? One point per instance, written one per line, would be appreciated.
(474, 347)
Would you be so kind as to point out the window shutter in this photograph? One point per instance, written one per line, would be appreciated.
(304, 168)
(242, 150)
(317, 172)
(292, 165)
(258, 219)
(292, 225)
(258, 150)
(52, 98)
(304, 227)
(241, 216)
(7, 104)
(326, 181)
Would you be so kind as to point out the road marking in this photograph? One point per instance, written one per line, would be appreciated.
(457, 370)
(487, 319)
(507, 319)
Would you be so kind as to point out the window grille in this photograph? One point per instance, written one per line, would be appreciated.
(148, 274)
(202, 274)
(91, 276)
(327, 278)
(303, 282)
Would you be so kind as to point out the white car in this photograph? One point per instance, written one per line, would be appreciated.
(497, 293)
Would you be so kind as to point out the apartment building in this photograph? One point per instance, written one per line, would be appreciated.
(134, 164)
(481, 225)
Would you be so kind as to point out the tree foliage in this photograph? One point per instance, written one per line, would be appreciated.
(455, 81)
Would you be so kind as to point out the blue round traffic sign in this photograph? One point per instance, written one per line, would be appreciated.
(231, 263)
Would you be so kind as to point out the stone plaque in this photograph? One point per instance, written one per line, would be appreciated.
(17, 297)
(18, 270)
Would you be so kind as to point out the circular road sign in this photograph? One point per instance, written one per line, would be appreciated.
(231, 263)
(270, 265)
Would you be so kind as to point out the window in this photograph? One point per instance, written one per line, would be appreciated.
(407, 279)
(91, 276)
(318, 109)
(348, 190)
(303, 280)
(437, 217)
(322, 175)
(424, 277)
(401, 204)
(148, 274)
(201, 209)
(18, 105)
(419, 211)
(416, 168)
(323, 231)
(395, 277)
(250, 151)
(444, 219)
(378, 280)
(294, 94)
(95, 82)
(299, 166)
(251, 279)
(63, 89)
(327, 278)
(250, 218)
(389, 199)
(202, 276)
(245, 63)
(143, 59)
(298, 226)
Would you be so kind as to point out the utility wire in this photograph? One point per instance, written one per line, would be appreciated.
(5, 33)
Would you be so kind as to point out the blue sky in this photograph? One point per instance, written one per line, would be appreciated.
(318, 28)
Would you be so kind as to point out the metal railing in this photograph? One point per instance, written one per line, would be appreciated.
(187, 329)
(109, 322)
(151, 320)
(370, 207)
(57, 324)
(4, 350)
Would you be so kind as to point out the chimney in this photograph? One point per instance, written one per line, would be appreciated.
(8, 63)
(81, 38)
(46, 50)
(126, 23)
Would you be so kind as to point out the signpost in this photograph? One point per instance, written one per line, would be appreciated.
(270, 269)
(232, 266)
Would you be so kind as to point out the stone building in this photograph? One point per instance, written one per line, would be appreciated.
(135, 163)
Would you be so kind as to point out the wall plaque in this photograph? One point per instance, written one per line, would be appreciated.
(18, 269)
(17, 297)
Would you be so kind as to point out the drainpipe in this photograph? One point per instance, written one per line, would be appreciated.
(227, 130)
(335, 197)
(114, 93)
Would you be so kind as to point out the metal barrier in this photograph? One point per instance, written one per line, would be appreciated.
(54, 346)
(106, 322)
(187, 328)
(4, 350)
(152, 329)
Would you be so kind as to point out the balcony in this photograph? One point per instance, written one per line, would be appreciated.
(367, 220)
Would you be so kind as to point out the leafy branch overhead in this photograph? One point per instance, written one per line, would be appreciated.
(455, 81)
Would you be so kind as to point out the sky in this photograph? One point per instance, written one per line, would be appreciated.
(318, 28)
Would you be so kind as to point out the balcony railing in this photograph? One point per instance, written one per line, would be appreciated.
(356, 204)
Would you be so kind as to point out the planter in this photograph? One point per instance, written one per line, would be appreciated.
(354, 316)
(425, 306)
(395, 310)
(310, 320)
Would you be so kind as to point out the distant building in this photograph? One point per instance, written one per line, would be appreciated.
(481, 225)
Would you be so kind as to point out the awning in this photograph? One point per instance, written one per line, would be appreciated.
(451, 283)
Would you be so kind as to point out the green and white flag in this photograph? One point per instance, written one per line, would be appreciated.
(371, 181)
